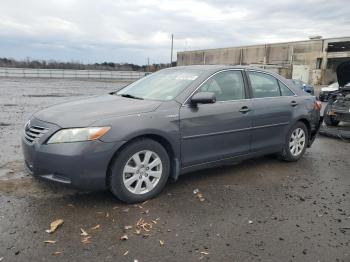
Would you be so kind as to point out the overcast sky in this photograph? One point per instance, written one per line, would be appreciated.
(130, 31)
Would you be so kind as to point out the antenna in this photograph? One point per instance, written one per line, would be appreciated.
(172, 46)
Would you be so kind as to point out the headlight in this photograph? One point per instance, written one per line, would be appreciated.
(78, 134)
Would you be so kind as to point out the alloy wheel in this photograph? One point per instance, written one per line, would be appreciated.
(142, 172)
(297, 142)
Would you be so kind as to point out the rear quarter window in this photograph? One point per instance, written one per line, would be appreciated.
(285, 91)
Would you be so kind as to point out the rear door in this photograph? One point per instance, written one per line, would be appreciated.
(273, 106)
(211, 132)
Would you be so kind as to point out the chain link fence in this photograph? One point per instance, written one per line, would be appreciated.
(72, 74)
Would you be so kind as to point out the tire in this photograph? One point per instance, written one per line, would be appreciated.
(287, 152)
(329, 120)
(147, 180)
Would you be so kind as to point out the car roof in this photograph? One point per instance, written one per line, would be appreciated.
(216, 67)
(211, 69)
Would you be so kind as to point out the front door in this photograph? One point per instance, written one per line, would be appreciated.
(220, 130)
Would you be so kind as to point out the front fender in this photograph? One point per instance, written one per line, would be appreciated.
(162, 122)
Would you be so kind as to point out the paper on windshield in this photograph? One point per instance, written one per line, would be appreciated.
(186, 76)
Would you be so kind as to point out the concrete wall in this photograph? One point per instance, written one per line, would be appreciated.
(312, 53)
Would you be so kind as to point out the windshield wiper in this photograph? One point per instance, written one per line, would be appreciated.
(131, 96)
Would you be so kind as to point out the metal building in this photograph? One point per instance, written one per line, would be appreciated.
(313, 61)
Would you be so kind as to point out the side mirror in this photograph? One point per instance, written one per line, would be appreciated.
(203, 98)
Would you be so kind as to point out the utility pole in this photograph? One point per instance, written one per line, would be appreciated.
(148, 69)
(172, 46)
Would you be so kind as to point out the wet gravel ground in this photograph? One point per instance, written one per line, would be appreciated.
(258, 210)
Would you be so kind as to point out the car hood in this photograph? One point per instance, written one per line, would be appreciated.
(329, 89)
(343, 73)
(86, 111)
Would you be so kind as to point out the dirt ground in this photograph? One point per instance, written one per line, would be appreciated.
(259, 210)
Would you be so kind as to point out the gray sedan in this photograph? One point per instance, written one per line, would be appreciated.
(166, 124)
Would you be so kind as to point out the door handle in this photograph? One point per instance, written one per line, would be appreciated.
(244, 109)
(293, 103)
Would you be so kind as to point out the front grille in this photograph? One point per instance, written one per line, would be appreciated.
(33, 133)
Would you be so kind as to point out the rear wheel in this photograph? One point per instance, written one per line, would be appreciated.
(295, 143)
(140, 171)
(329, 119)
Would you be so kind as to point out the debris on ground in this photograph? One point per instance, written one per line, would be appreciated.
(250, 221)
(145, 211)
(83, 232)
(56, 253)
(50, 241)
(86, 240)
(54, 225)
(161, 243)
(124, 237)
(199, 195)
(95, 227)
(142, 224)
(127, 227)
(126, 253)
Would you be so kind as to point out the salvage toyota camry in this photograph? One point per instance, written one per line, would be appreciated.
(168, 123)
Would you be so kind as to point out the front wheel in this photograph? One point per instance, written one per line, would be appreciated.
(295, 143)
(140, 171)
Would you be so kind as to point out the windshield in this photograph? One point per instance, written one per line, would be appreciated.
(164, 85)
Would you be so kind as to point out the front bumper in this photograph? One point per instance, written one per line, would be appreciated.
(82, 165)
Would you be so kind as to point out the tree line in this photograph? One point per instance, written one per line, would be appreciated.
(54, 64)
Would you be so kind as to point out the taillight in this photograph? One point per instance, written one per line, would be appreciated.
(318, 105)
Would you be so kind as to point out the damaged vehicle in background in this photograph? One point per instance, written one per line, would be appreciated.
(338, 106)
(168, 123)
(325, 91)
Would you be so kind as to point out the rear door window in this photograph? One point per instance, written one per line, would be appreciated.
(263, 85)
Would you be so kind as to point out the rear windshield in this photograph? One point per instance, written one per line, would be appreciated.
(163, 85)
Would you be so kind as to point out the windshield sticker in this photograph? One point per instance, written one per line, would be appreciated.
(188, 77)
